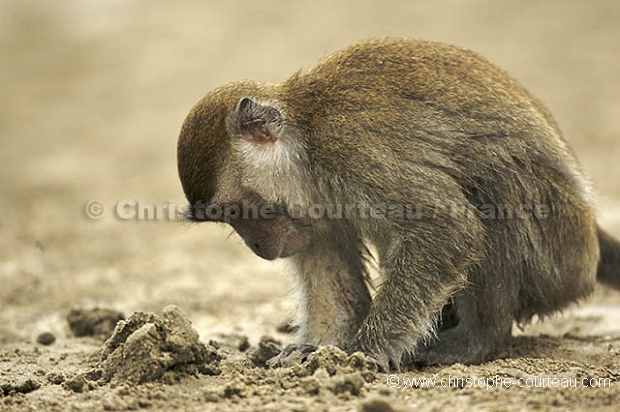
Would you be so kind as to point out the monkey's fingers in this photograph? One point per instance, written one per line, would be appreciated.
(292, 354)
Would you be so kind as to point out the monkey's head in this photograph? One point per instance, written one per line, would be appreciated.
(238, 162)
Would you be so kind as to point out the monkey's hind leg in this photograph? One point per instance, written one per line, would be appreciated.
(468, 338)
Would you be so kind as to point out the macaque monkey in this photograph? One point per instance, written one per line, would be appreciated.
(457, 176)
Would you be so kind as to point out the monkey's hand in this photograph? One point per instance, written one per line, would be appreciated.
(292, 354)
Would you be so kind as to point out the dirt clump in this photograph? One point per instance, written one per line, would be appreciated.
(95, 322)
(335, 361)
(22, 385)
(267, 348)
(231, 342)
(147, 348)
(79, 383)
(331, 369)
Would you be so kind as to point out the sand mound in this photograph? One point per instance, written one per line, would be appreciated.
(147, 348)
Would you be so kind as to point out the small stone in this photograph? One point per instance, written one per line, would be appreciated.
(377, 405)
(46, 338)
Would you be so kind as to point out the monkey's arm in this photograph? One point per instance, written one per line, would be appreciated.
(330, 277)
(422, 269)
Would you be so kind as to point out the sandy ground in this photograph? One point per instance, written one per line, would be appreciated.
(93, 94)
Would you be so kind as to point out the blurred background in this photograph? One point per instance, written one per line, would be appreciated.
(93, 94)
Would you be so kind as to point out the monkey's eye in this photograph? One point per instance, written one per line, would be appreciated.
(231, 211)
(205, 212)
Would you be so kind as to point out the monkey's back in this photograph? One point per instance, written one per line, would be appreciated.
(425, 103)
(370, 75)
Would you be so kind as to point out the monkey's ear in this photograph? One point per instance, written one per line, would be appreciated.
(257, 122)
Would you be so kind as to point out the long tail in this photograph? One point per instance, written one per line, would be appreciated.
(609, 265)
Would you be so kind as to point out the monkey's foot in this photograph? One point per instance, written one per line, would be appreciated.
(452, 347)
(293, 354)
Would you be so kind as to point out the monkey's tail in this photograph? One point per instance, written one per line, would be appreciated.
(609, 264)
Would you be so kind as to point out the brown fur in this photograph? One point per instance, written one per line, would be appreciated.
(392, 123)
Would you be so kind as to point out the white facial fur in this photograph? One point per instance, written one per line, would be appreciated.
(275, 170)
